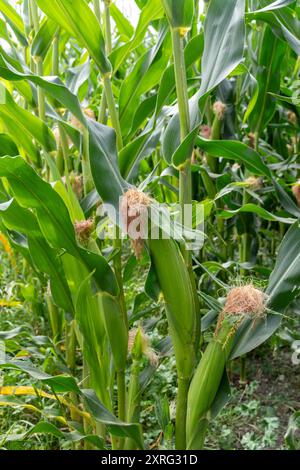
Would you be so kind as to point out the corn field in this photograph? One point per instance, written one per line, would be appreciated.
(149, 224)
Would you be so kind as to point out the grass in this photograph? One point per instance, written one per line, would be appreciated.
(257, 416)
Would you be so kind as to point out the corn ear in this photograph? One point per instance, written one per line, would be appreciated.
(134, 393)
(115, 328)
(176, 287)
(206, 382)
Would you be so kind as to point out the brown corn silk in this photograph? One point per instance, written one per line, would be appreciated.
(133, 206)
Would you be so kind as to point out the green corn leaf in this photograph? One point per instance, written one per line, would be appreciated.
(222, 396)
(236, 151)
(76, 17)
(284, 282)
(5, 335)
(283, 98)
(179, 13)
(275, 5)
(18, 242)
(255, 92)
(104, 164)
(70, 200)
(78, 76)
(253, 87)
(10, 12)
(23, 87)
(289, 28)
(63, 37)
(224, 33)
(152, 11)
(65, 383)
(115, 328)
(32, 192)
(137, 150)
(254, 209)
(124, 27)
(14, 20)
(115, 426)
(11, 59)
(283, 22)
(44, 37)
(286, 201)
(18, 218)
(145, 109)
(268, 77)
(23, 139)
(238, 187)
(30, 124)
(44, 427)
(251, 336)
(46, 261)
(92, 327)
(43, 257)
(7, 146)
(52, 85)
(58, 383)
(145, 76)
(3, 31)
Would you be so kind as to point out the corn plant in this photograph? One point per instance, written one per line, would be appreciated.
(102, 123)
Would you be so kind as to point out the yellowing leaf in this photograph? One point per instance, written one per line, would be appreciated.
(10, 303)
